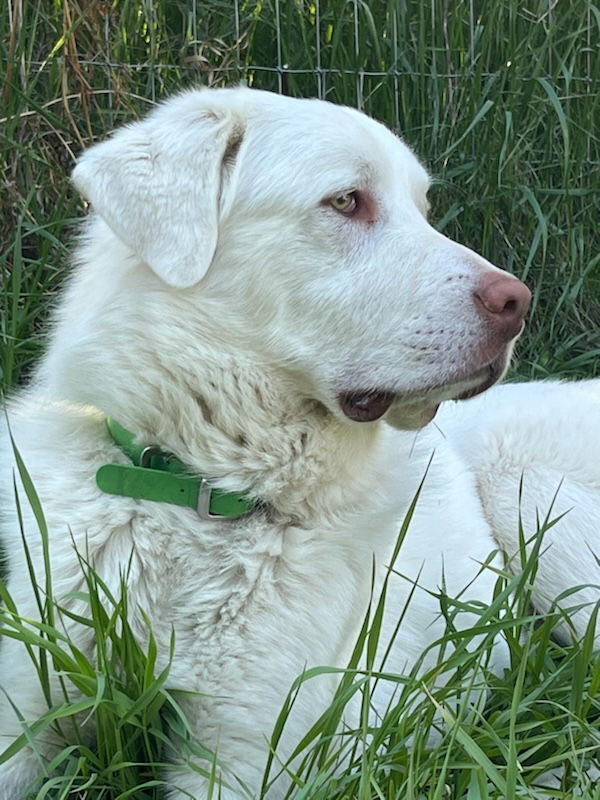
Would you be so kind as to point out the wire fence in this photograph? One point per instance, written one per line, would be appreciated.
(364, 44)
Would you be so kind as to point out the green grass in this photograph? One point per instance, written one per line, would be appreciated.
(500, 100)
(432, 742)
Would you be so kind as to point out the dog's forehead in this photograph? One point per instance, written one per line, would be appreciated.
(335, 146)
(342, 132)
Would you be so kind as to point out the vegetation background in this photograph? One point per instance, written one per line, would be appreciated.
(500, 99)
(502, 102)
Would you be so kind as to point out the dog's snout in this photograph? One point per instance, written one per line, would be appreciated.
(504, 301)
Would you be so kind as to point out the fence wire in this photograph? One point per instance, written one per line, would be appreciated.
(437, 16)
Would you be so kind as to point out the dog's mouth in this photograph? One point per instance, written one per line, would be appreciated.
(415, 409)
(365, 406)
(369, 406)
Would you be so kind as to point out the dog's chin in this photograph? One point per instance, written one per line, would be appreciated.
(411, 416)
(414, 410)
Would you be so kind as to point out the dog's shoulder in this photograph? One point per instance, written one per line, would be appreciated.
(51, 450)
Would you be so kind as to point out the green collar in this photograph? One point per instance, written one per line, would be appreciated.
(160, 476)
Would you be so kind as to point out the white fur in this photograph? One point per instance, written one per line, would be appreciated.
(238, 374)
(534, 451)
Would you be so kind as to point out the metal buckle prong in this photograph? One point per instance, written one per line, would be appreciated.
(146, 455)
(204, 497)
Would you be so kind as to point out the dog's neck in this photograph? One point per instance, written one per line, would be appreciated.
(238, 426)
(244, 427)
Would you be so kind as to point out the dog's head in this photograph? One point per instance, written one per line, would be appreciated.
(304, 225)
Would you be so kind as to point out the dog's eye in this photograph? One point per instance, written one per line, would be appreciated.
(345, 203)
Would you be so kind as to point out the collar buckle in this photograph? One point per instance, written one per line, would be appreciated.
(145, 459)
(159, 476)
(204, 488)
(204, 498)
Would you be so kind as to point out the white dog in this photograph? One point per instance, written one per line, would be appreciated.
(258, 292)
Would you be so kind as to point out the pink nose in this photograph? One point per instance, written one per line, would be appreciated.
(504, 301)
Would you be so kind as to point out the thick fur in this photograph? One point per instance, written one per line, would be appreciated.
(220, 306)
(533, 449)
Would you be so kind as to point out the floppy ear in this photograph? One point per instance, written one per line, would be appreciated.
(157, 184)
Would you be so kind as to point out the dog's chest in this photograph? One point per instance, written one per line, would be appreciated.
(294, 595)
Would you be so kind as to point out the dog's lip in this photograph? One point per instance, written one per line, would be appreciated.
(369, 405)
(491, 374)
(457, 387)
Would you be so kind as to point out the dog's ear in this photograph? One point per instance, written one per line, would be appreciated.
(158, 185)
